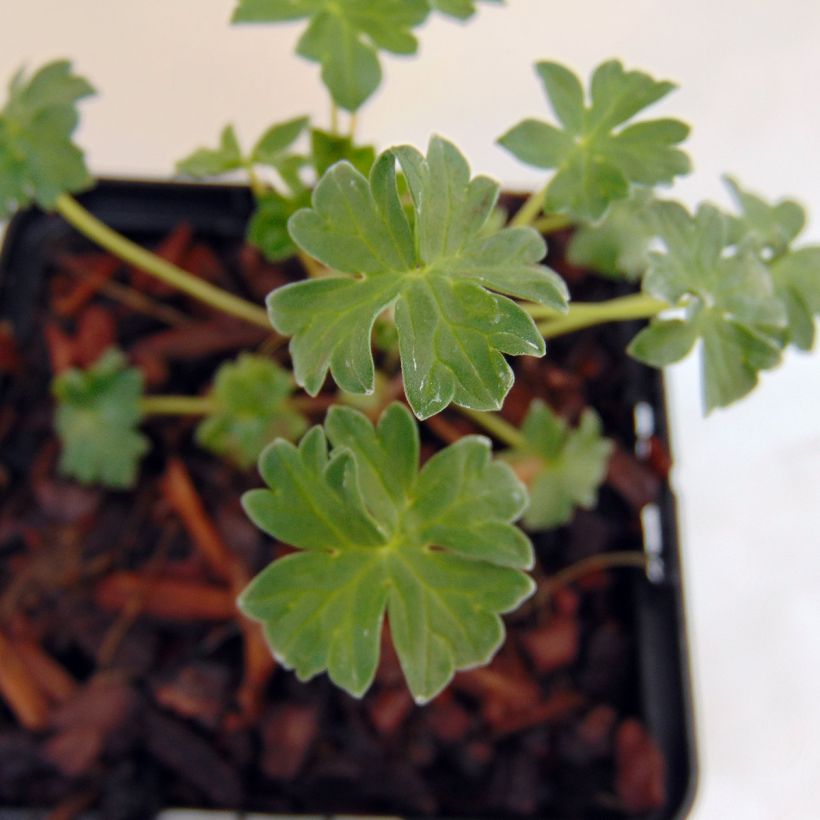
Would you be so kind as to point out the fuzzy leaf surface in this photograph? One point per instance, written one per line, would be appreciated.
(564, 466)
(344, 37)
(597, 153)
(729, 301)
(38, 160)
(96, 419)
(439, 271)
(251, 409)
(435, 550)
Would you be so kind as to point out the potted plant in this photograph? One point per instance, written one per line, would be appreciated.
(405, 279)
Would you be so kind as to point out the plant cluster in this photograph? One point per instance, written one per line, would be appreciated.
(409, 253)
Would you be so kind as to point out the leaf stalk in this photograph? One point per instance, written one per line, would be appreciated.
(176, 405)
(582, 315)
(95, 230)
(498, 427)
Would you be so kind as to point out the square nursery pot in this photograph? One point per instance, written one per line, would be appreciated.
(140, 704)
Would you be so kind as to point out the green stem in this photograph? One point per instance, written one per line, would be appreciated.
(582, 314)
(257, 186)
(351, 130)
(176, 405)
(552, 223)
(334, 119)
(498, 427)
(529, 211)
(97, 231)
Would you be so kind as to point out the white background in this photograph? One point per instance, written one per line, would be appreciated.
(171, 72)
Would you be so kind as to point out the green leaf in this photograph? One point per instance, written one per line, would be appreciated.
(268, 227)
(770, 228)
(564, 466)
(437, 271)
(97, 416)
(460, 9)
(38, 160)
(343, 36)
(251, 408)
(664, 341)
(271, 148)
(729, 301)
(618, 245)
(597, 154)
(212, 162)
(435, 550)
(327, 149)
(796, 277)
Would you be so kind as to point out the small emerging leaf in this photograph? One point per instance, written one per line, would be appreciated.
(97, 416)
(597, 154)
(251, 409)
(562, 467)
(327, 149)
(268, 227)
(212, 162)
(434, 550)
(438, 269)
(38, 160)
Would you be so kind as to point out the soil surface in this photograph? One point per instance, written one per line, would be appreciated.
(129, 682)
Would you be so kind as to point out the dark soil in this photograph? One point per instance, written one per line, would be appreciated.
(128, 682)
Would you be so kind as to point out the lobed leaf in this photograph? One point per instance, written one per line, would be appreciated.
(597, 154)
(434, 550)
(97, 415)
(251, 409)
(796, 276)
(460, 9)
(344, 36)
(564, 466)
(38, 160)
(437, 269)
(728, 299)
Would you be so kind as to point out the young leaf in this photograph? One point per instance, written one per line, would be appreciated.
(438, 270)
(38, 160)
(272, 147)
(618, 245)
(564, 466)
(343, 36)
(770, 228)
(251, 409)
(598, 155)
(96, 419)
(729, 300)
(268, 227)
(435, 550)
(327, 149)
(212, 162)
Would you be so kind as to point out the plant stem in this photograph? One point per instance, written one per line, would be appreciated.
(605, 560)
(334, 119)
(88, 225)
(529, 211)
(552, 223)
(495, 425)
(581, 314)
(176, 405)
(351, 129)
(257, 186)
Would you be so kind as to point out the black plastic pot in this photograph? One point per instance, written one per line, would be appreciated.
(653, 602)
